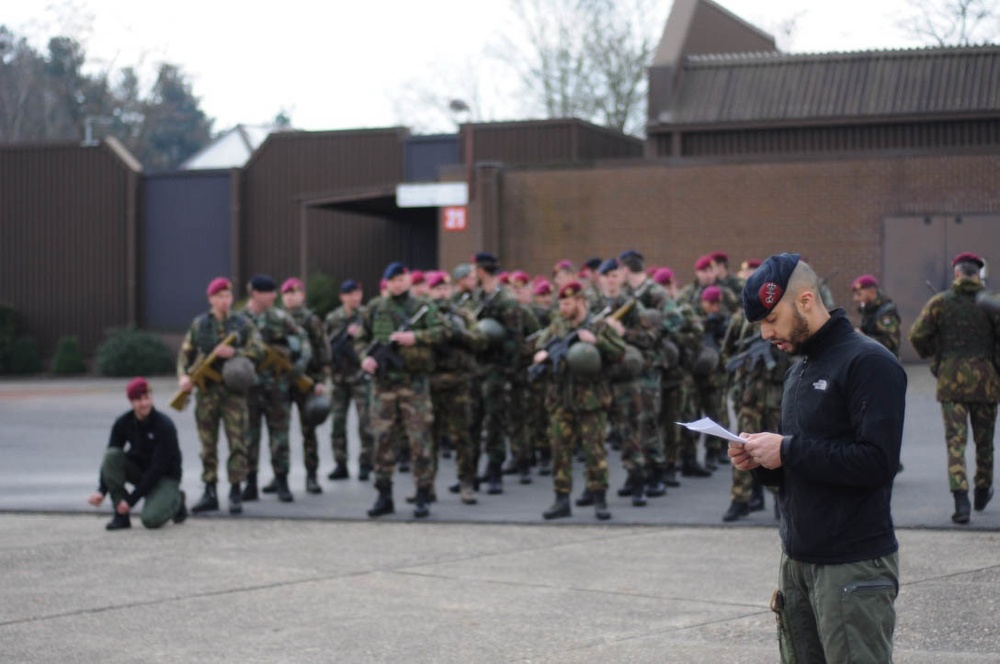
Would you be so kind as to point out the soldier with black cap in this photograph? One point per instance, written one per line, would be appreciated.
(834, 463)
(344, 327)
(879, 317)
(578, 398)
(639, 284)
(269, 400)
(962, 341)
(408, 327)
(215, 399)
(496, 304)
(293, 298)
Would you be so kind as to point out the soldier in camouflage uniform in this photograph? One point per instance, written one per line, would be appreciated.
(706, 275)
(522, 449)
(709, 395)
(538, 416)
(723, 278)
(963, 342)
(344, 326)
(269, 400)
(452, 383)
(758, 378)
(293, 297)
(407, 328)
(498, 364)
(879, 318)
(215, 400)
(578, 403)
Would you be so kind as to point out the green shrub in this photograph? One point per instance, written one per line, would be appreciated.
(322, 294)
(7, 336)
(24, 357)
(131, 352)
(68, 359)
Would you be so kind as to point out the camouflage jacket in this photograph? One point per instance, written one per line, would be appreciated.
(345, 365)
(577, 393)
(387, 315)
(682, 329)
(207, 331)
(455, 354)
(319, 365)
(284, 337)
(638, 330)
(502, 307)
(961, 339)
(880, 321)
(747, 356)
(651, 294)
(691, 296)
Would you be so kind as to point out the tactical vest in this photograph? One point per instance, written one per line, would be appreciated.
(206, 338)
(969, 332)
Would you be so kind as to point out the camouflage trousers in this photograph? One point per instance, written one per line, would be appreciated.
(538, 419)
(702, 400)
(567, 428)
(341, 395)
(489, 415)
(451, 395)
(211, 405)
(752, 420)
(648, 421)
(957, 416)
(522, 449)
(399, 407)
(310, 446)
(670, 412)
(623, 416)
(270, 403)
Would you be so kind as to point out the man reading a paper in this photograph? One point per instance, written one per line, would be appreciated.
(833, 462)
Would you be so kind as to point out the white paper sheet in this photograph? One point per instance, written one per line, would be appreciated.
(712, 428)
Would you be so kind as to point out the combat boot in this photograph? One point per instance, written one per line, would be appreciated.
(670, 476)
(639, 494)
(710, 462)
(586, 498)
(756, 503)
(209, 501)
(525, 472)
(312, 486)
(601, 506)
(560, 508)
(431, 497)
(691, 468)
(654, 484)
(629, 487)
(467, 492)
(962, 507)
(495, 479)
(235, 504)
(421, 509)
(250, 490)
(270, 487)
(545, 465)
(737, 510)
(383, 504)
(364, 471)
(284, 493)
(981, 497)
(119, 522)
(181, 514)
(339, 472)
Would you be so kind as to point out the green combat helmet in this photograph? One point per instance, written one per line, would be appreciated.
(583, 359)
(706, 363)
(671, 354)
(492, 330)
(316, 409)
(239, 373)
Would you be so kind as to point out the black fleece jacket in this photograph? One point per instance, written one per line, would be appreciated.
(842, 422)
(152, 445)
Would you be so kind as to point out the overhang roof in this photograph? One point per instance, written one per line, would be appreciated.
(756, 88)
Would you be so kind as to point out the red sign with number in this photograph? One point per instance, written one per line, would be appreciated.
(453, 218)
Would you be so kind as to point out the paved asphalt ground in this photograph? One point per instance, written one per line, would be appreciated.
(317, 581)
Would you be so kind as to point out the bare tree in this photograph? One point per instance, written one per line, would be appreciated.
(953, 22)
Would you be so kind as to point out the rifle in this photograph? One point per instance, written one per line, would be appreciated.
(756, 349)
(341, 347)
(927, 282)
(625, 308)
(280, 363)
(201, 373)
(557, 349)
(486, 303)
(384, 352)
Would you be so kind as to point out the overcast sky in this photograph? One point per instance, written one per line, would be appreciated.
(347, 64)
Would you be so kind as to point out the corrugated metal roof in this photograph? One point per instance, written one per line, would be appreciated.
(781, 87)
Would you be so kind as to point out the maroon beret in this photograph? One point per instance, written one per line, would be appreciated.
(703, 262)
(292, 283)
(563, 265)
(864, 281)
(720, 257)
(712, 294)
(417, 277)
(543, 288)
(436, 278)
(968, 257)
(218, 284)
(520, 278)
(136, 388)
(572, 289)
(663, 276)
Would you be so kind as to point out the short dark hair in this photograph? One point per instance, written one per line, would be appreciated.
(967, 268)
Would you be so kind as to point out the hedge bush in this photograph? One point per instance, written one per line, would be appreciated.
(322, 294)
(24, 358)
(68, 359)
(131, 352)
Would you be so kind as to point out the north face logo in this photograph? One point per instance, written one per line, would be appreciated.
(820, 385)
